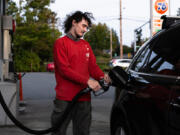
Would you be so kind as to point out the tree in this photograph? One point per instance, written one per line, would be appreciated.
(99, 38)
(126, 50)
(35, 32)
(12, 8)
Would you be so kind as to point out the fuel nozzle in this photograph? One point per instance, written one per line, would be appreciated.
(105, 87)
(119, 77)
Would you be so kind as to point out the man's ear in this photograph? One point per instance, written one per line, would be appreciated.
(73, 22)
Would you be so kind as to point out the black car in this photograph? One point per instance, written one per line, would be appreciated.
(149, 99)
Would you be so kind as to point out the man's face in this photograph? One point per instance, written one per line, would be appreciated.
(80, 28)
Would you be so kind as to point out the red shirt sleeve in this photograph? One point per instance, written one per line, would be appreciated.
(95, 71)
(63, 66)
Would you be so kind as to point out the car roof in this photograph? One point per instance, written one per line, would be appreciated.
(169, 21)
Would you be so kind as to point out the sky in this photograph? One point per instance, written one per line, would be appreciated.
(134, 13)
(107, 11)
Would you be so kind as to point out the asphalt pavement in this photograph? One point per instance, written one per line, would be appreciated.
(38, 93)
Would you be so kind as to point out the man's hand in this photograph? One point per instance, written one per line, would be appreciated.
(94, 85)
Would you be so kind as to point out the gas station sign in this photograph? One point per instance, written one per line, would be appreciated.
(158, 8)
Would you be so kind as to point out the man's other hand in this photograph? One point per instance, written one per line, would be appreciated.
(94, 85)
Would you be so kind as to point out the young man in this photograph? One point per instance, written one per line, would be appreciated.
(75, 63)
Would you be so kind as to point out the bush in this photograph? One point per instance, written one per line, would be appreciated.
(103, 63)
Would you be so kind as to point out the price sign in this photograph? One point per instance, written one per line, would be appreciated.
(158, 8)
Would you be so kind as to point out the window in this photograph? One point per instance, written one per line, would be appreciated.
(165, 53)
(140, 61)
(160, 54)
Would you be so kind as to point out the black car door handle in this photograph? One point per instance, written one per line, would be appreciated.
(175, 104)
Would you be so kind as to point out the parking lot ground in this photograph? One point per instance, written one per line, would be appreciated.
(37, 116)
(39, 95)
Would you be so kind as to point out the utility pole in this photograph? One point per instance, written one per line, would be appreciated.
(20, 6)
(111, 43)
(121, 45)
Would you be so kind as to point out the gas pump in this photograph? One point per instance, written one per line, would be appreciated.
(8, 86)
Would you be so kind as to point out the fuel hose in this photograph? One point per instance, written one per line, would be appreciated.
(45, 131)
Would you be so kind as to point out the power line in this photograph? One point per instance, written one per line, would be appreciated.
(123, 18)
(111, 18)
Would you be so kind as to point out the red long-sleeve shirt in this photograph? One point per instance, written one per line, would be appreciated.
(75, 63)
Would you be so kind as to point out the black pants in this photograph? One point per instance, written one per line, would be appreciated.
(80, 116)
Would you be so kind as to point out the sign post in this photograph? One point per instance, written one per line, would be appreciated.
(157, 9)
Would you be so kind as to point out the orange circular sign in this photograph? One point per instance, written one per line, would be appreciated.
(161, 6)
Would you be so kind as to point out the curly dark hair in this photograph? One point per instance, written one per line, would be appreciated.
(77, 16)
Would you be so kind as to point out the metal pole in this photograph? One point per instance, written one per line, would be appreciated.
(2, 2)
(4, 7)
(1, 14)
(134, 42)
(151, 16)
(1, 29)
(169, 7)
(121, 44)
